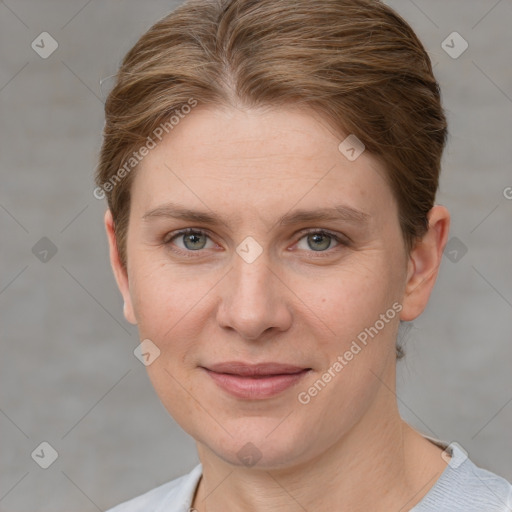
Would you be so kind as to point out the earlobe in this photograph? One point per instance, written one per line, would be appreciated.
(424, 261)
(120, 272)
(129, 313)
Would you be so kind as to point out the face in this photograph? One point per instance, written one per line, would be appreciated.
(261, 277)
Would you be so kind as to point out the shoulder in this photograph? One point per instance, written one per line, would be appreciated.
(466, 487)
(173, 496)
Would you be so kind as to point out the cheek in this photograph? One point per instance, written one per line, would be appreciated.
(161, 294)
(356, 349)
(172, 307)
(352, 299)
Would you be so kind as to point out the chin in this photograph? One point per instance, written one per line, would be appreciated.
(257, 442)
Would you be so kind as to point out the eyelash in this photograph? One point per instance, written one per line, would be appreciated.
(318, 254)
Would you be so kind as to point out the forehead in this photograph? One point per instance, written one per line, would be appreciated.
(265, 159)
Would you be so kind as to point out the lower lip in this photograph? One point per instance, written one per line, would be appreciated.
(255, 388)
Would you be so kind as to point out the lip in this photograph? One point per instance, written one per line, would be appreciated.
(255, 381)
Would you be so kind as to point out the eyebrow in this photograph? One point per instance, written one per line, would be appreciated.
(338, 212)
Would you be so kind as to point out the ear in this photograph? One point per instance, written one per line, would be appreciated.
(120, 273)
(424, 261)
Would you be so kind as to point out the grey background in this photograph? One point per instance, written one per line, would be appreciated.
(68, 373)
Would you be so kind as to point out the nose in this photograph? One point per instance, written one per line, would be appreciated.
(254, 300)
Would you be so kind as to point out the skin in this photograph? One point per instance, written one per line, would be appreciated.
(348, 448)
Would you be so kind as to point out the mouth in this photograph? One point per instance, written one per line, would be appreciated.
(255, 381)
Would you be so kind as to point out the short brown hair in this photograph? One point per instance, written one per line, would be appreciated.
(355, 62)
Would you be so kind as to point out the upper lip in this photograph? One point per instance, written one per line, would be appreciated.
(246, 369)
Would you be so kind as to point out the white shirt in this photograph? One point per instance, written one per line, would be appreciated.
(462, 487)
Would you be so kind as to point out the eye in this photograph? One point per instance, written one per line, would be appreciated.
(319, 241)
(192, 239)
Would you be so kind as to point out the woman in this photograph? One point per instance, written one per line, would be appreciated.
(271, 170)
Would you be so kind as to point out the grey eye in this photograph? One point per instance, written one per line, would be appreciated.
(318, 241)
(190, 240)
(193, 241)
